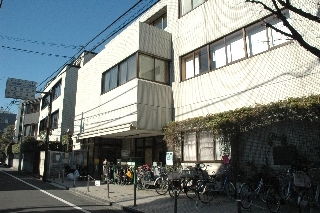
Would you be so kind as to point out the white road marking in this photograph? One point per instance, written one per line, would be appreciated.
(51, 195)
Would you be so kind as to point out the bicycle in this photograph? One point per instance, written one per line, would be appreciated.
(299, 190)
(309, 200)
(248, 193)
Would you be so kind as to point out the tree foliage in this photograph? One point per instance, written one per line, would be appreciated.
(8, 136)
(276, 7)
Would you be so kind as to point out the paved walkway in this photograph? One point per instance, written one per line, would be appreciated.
(148, 201)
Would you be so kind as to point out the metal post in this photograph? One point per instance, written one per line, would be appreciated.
(22, 134)
(74, 180)
(46, 160)
(239, 205)
(88, 183)
(62, 178)
(175, 201)
(108, 188)
(135, 186)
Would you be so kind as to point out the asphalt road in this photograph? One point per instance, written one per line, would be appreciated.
(20, 192)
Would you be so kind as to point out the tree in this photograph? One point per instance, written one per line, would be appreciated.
(8, 136)
(276, 8)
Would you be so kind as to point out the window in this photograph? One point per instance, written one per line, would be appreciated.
(241, 44)
(54, 120)
(235, 47)
(256, 39)
(150, 68)
(188, 5)
(161, 22)
(202, 146)
(56, 90)
(153, 69)
(190, 147)
(217, 54)
(110, 79)
(146, 67)
(275, 38)
(43, 124)
(194, 64)
(45, 101)
(127, 70)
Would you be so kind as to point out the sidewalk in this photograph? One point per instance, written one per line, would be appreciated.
(147, 200)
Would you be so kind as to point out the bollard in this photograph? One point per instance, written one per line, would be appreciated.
(108, 189)
(62, 179)
(239, 205)
(134, 186)
(175, 201)
(74, 180)
(88, 183)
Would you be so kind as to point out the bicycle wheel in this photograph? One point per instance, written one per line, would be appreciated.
(190, 189)
(174, 185)
(305, 202)
(263, 193)
(273, 199)
(230, 190)
(206, 192)
(245, 195)
(161, 186)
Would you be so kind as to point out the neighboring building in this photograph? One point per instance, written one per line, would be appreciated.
(6, 119)
(186, 59)
(63, 88)
(27, 119)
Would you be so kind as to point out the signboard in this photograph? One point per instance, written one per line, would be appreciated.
(124, 153)
(20, 89)
(97, 182)
(169, 158)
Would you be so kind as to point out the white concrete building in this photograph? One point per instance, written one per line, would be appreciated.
(184, 59)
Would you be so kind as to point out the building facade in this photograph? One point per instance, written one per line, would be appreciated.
(186, 59)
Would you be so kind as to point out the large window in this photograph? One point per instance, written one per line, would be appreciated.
(150, 68)
(188, 5)
(243, 43)
(201, 146)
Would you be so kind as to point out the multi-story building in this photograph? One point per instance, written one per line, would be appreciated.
(61, 90)
(186, 59)
(27, 119)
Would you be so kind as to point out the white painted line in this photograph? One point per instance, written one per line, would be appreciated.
(51, 195)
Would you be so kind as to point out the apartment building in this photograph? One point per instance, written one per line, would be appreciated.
(61, 90)
(187, 59)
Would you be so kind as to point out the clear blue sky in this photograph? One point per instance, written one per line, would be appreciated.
(38, 37)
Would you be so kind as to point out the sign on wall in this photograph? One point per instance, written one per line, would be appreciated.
(169, 158)
(20, 89)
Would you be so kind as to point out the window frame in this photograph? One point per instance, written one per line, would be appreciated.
(245, 49)
(56, 90)
(135, 60)
(192, 7)
(54, 123)
(215, 158)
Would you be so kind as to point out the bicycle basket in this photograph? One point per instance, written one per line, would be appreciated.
(301, 179)
(173, 175)
(314, 175)
(187, 173)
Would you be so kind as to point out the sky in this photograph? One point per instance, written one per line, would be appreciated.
(39, 37)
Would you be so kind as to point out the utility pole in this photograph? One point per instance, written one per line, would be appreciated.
(46, 160)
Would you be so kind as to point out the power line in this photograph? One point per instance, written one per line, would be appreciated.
(34, 52)
(40, 42)
(84, 46)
